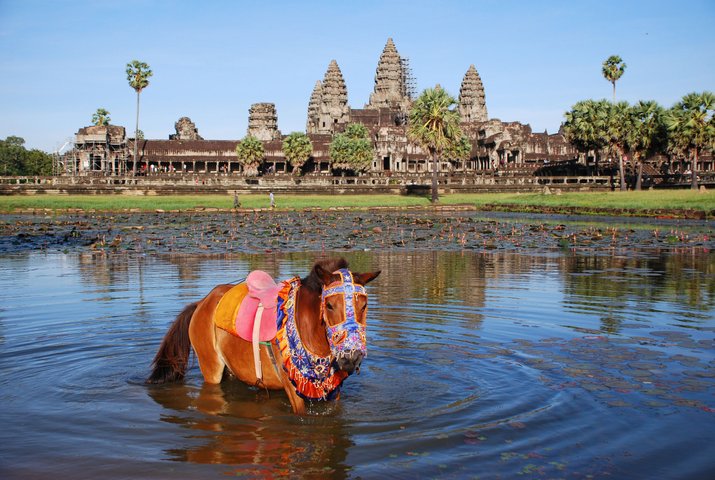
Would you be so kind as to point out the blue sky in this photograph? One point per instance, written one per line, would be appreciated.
(61, 60)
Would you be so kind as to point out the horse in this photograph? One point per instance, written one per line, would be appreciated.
(319, 337)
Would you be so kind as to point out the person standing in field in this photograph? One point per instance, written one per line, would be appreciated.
(273, 200)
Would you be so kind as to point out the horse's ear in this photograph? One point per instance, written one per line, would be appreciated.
(365, 278)
(326, 277)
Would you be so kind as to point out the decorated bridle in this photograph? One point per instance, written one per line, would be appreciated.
(317, 377)
(348, 335)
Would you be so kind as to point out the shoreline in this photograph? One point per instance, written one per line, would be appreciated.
(657, 213)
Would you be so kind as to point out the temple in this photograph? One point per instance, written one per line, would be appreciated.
(496, 145)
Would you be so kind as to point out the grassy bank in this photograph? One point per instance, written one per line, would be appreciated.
(647, 202)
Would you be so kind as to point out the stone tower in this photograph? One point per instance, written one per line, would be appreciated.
(314, 108)
(389, 80)
(328, 110)
(472, 101)
(185, 130)
(263, 122)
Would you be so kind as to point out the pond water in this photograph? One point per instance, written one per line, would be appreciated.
(480, 365)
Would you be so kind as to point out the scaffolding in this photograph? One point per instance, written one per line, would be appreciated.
(409, 84)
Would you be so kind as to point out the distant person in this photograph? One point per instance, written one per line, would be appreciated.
(236, 203)
(273, 200)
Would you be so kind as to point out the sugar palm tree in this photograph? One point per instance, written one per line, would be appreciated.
(647, 134)
(613, 69)
(297, 148)
(618, 129)
(434, 125)
(585, 127)
(250, 154)
(138, 74)
(691, 127)
(101, 117)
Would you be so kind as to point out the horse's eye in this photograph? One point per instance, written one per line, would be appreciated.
(328, 306)
(364, 307)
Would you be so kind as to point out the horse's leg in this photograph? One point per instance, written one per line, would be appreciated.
(296, 402)
(203, 336)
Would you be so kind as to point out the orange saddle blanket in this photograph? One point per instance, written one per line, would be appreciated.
(236, 311)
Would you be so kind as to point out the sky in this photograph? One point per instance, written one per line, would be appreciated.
(61, 60)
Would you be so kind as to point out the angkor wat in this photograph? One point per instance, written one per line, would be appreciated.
(496, 145)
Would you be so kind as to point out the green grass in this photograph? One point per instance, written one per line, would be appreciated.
(647, 200)
(644, 200)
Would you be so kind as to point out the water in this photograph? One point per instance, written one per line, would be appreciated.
(488, 365)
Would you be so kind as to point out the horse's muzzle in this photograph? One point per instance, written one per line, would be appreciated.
(350, 361)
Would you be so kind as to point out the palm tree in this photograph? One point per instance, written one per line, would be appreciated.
(138, 74)
(647, 134)
(613, 69)
(434, 125)
(250, 154)
(101, 117)
(585, 127)
(691, 127)
(297, 148)
(618, 129)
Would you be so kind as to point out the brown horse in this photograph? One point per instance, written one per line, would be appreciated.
(319, 342)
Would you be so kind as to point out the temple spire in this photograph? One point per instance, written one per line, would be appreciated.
(329, 103)
(472, 101)
(389, 79)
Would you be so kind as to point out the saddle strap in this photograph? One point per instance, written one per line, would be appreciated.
(257, 344)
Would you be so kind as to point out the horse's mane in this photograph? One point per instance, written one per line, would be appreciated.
(312, 281)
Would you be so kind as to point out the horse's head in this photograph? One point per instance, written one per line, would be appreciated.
(343, 309)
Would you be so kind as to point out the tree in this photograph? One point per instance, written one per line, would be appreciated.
(613, 69)
(250, 154)
(101, 117)
(691, 127)
(460, 151)
(138, 74)
(647, 135)
(618, 128)
(297, 148)
(16, 160)
(434, 125)
(352, 149)
(585, 127)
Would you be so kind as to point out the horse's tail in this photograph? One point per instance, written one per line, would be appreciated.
(172, 359)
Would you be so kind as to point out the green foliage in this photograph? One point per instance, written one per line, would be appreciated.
(297, 148)
(434, 125)
(16, 160)
(612, 70)
(434, 120)
(691, 127)
(101, 117)
(352, 149)
(250, 154)
(585, 126)
(647, 135)
(138, 74)
(460, 150)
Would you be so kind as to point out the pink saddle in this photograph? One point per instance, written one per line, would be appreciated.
(263, 290)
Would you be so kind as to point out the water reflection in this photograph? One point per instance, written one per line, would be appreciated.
(437, 280)
(230, 424)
